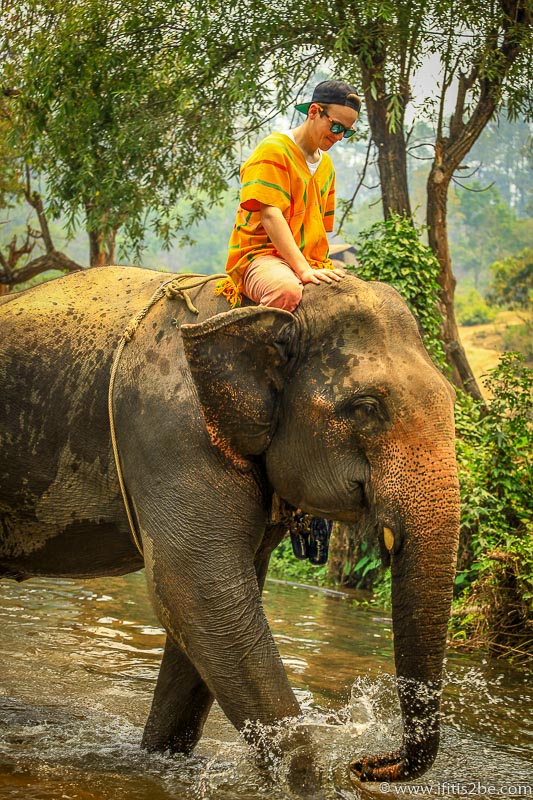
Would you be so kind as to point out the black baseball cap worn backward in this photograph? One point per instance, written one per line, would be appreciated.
(336, 93)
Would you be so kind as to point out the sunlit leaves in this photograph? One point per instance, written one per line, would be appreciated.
(119, 108)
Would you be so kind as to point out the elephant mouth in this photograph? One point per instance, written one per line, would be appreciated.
(356, 510)
(334, 516)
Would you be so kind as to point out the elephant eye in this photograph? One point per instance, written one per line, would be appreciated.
(367, 406)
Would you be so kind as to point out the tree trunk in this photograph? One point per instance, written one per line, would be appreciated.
(10, 274)
(102, 247)
(52, 260)
(341, 552)
(449, 153)
(437, 196)
(393, 172)
(391, 146)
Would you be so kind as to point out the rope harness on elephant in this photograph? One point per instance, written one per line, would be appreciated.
(177, 287)
(309, 535)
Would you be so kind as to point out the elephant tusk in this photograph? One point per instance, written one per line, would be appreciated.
(388, 538)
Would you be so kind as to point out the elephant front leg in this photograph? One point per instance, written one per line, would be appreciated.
(223, 628)
(180, 706)
(204, 572)
(182, 700)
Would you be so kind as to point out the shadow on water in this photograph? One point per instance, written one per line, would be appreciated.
(80, 661)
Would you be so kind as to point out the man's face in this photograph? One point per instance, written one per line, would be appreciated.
(322, 121)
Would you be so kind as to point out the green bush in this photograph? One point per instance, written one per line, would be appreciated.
(512, 281)
(512, 287)
(495, 591)
(520, 338)
(472, 309)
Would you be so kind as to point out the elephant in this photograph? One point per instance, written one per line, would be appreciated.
(335, 409)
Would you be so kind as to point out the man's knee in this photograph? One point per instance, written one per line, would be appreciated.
(285, 297)
(270, 281)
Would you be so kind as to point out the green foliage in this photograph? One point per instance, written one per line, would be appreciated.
(512, 281)
(393, 252)
(369, 573)
(126, 107)
(382, 590)
(104, 108)
(486, 229)
(519, 338)
(285, 566)
(206, 247)
(512, 286)
(494, 448)
(472, 309)
(369, 561)
(494, 451)
(11, 176)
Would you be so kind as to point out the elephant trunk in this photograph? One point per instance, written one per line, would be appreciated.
(422, 543)
(422, 587)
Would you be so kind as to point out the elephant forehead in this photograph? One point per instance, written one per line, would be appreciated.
(357, 335)
(353, 327)
(368, 308)
(347, 363)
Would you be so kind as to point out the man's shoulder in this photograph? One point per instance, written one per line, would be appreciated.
(275, 142)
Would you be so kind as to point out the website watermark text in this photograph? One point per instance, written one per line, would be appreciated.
(457, 789)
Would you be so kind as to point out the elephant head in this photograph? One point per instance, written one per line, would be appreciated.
(342, 409)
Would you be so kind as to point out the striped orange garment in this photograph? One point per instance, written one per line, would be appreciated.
(277, 174)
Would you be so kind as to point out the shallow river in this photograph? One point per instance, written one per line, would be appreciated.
(79, 663)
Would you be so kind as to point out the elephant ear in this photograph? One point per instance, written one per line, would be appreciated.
(239, 361)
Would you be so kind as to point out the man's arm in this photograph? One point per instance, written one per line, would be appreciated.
(281, 237)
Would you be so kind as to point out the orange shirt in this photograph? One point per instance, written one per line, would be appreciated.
(277, 174)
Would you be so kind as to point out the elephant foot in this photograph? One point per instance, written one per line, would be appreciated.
(396, 766)
(303, 779)
(286, 755)
(182, 742)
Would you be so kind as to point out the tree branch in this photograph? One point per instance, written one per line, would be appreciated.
(490, 88)
(10, 275)
(53, 260)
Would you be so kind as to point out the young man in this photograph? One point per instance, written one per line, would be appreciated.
(279, 240)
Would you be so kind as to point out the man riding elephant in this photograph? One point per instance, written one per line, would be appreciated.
(286, 209)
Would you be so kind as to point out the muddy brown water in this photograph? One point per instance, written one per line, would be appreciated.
(79, 661)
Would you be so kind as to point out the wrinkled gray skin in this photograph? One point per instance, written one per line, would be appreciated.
(336, 408)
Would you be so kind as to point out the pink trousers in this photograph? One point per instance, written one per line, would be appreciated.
(269, 281)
